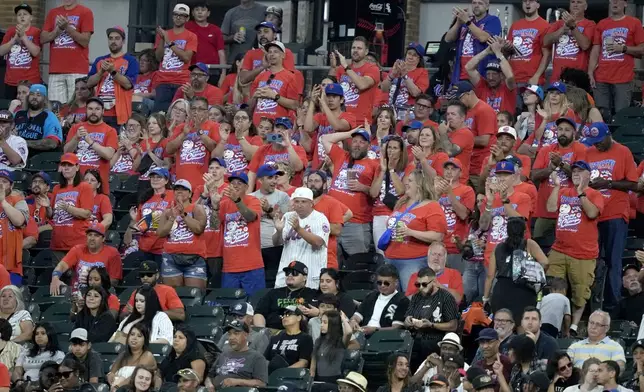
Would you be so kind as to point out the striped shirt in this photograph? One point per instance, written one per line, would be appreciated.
(439, 307)
(606, 349)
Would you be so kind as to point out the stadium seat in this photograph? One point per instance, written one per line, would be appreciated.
(94, 387)
(34, 310)
(237, 389)
(160, 350)
(209, 315)
(113, 238)
(36, 276)
(64, 329)
(44, 161)
(379, 347)
(122, 224)
(299, 377)
(124, 204)
(359, 280)
(352, 362)
(21, 180)
(44, 241)
(44, 259)
(133, 260)
(131, 280)
(131, 185)
(45, 300)
(105, 348)
(115, 182)
(259, 294)
(205, 331)
(225, 297)
(190, 296)
(125, 295)
(634, 243)
(564, 343)
(358, 295)
(369, 261)
(5, 103)
(57, 313)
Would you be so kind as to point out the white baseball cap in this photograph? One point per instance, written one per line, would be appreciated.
(182, 183)
(80, 334)
(302, 193)
(508, 131)
(181, 9)
(275, 43)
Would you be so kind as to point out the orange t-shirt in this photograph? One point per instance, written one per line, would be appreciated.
(113, 302)
(576, 234)
(379, 208)
(149, 241)
(31, 230)
(20, 64)
(172, 70)
(81, 260)
(455, 225)
(449, 278)
(88, 158)
(436, 161)
(228, 86)
(334, 211)
(502, 98)
(419, 76)
(481, 119)
(168, 297)
(145, 83)
(365, 170)
(529, 189)
(38, 215)
(102, 206)
(5, 278)
(617, 67)
(66, 56)
(211, 235)
(567, 53)
(269, 154)
(5, 377)
(616, 164)
(359, 102)
(527, 37)
(498, 230)
(324, 128)
(81, 196)
(429, 217)
(241, 240)
(213, 94)
(283, 83)
(253, 59)
(191, 159)
(182, 240)
(464, 138)
(234, 156)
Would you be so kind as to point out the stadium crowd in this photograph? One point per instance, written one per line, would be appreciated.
(481, 215)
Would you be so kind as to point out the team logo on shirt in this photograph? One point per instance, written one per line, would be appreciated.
(234, 158)
(450, 215)
(569, 214)
(268, 105)
(403, 94)
(235, 230)
(65, 40)
(322, 130)
(86, 155)
(499, 231)
(523, 42)
(62, 217)
(341, 181)
(563, 177)
(82, 272)
(617, 36)
(468, 43)
(19, 56)
(143, 87)
(351, 92)
(231, 366)
(180, 232)
(193, 151)
(172, 62)
(567, 46)
(124, 164)
(604, 170)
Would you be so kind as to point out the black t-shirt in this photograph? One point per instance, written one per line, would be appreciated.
(630, 308)
(562, 384)
(272, 303)
(171, 365)
(290, 347)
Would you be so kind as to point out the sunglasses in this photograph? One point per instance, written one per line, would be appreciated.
(383, 283)
(146, 275)
(292, 273)
(423, 285)
(64, 374)
(287, 314)
(566, 366)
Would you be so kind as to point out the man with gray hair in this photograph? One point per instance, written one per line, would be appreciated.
(597, 344)
(450, 278)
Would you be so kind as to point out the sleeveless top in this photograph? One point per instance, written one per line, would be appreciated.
(502, 255)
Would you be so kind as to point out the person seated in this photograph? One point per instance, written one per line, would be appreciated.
(136, 353)
(14, 148)
(102, 209)
(450, 278)
(597, 344)
(68, 376)
(449, 346)
(91, 363)
(376, 311)
(199, 87)
(521, 354)
(142, 380)
(37, 124)
(146, 81)
(489, 347)
(170, 302)
(588, 377)
(352, 382)
(555, 309)
(398, 375)
(47, 376)
(95, 316)
(12, 309)
(227, 372)
(127, 157)
(147, 311)
(327, 303)
(291, 347)
(631, 306)
(330, 348)
(545, 345)
(537, 381)
(330, 284)
(98, 276)
(257, 340)
(44, 347)
(185, 354)
(9, 351)
(20, 102)
(561, 372)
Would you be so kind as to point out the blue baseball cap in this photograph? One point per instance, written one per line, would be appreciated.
(504, 166)
(581, 164)
(459, 89)
(268, 171)
(320, 173)
(203, 67)
(334, 89)
(557, 86)
(240, 175)
(7, 174)
(595, 133)
(161, 171)
(269, 25)
(413, 125)
(219, 160)
(45, 177)
(533, 88)
(493, 65)
(362, 132)
(418, 48)
(566, 120)
(285, 122)
(38, 88)
(488, 334)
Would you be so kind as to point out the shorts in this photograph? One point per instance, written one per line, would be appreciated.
(170, 269)
(579, 273)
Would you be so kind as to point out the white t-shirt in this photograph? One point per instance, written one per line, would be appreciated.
(296, 248)
(553, 308)
(31, 365)
(161, 327)
(381, 302)
(19, 145)
(16, 319)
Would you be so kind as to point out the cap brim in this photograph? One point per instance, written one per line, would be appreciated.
(506, 133)
(95, 231)
(230, 178)
(504, 171)
(437, 383)
(349, 382)
(590, 141)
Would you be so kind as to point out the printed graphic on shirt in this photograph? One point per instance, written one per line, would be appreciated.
(284, 345)
(231, 366)
(567, 46)
(468, 43)
(107, 88)
(268, 105)
(208, 211)
(604, 170)
(450, 215)
(275, 158)
(523, 42)
(180, 233)
(156, 209)
(563, 177)
(495, 102)
(323, 130)
(94, 216)
(403, 95)
(62, 217)
(437, 314)
(82, 272)
(64, 40)
(499, 229)
(143, 87)
(351, 92)
(235, 159)
(4, 160)
(235, 230)
(346, 174)
(257, 63)
(405, 219)
(549, 134)
(19, 56)
(86, 155)
(569, 214)
(193, 151)
(172, 62)
(617, 36)
(373, 152)
(124, 164)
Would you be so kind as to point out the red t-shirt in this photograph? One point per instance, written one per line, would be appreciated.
(527, 37)
(419, 76)
(616, 164)
(228, 85)
(334, 211)
(102, 206)
(210, 42)
(5, 279)
(5, 377)
(81, 260)
(234, 156)
(145, 83)
(429, 217)
(88, 158)
(149, 241)
(269, 154)
(436, 161)
(550, 134)
(241, 239)
(640, 198)
(31, 230)
(617, 67)
(213, 94)
(253, 60)
(191, 159)
(211, 235)
(576, 234)
(113, 302)
(66, 56)
(364, 171)
(481, 119)
(529, 189)
(360, 102)
(382, 97)
(575, 152)
(464, 138)
(182, 240)
(498, 230)
(449, 278)
(379, 208)
(172, 69)
(282, 82)
(20, 64)
(567, 52)
(80, 113)
(168, 297)
(67, 230)
(324, 128)
(455, 225)
(501, 98)
(39, 215)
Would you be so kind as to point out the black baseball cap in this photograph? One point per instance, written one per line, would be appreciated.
(148, 267)
(482, 381)
(97, 100)
(23, 6)
(297, 266)
(237, 326)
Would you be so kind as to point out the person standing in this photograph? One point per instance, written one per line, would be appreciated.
(69, 29)
(199, 86)
(238, 22)
(531, 57)
(455, 137)
(14, 213)
(255, 59)
(174, 48)
(408, 78)
(114, 76)
(210, 42)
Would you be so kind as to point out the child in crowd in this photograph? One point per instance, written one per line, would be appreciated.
(555, 309)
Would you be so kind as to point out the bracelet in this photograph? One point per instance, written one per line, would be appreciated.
(582, 194)
(56, 274)
(92, 143)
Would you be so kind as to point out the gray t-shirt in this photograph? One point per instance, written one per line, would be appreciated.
(247, 365)
(553, 308)
(237, 17)
(329, 362)
(257, 340)
(278, 199)
(92, 366)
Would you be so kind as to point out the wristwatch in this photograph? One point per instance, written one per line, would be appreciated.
(468, 23)
(113, 73)
(277, 97)
(506, 201)
(200, 132)
(624, 48)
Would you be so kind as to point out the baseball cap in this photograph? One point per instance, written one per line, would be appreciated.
(557, 86)
(79, 334)
(161, 171)
(23, 6)
(240, 175)
(116, 29)
(97, 228)
(566, 120)
(270, 25)
(285, 122)
(187, 374)
(6, 116)
(302, 193)
(7, 174)
(268, 171)
(275, 43)
(595, 133)
(203, 67)
(459, 89)
(182, 183)
(438, 379)
(292, 309)
(69, 157)
(38, 88)
(454, 162)
(181, 9)
(540, 379)
(474, 371)
(482, 381)
(493, 66)
(148, 267)
(219, 160)
(534, 89)
(45, 177)
(275, 10)
(242, 309)
(413, 125)
(581, 164)
(638, 343)
(418, 48)
(237, 326)
(630, 267)
(297, 266)
(97, 100)
(320, 173)
(334, 89)
(488, 334)
(504, 166)
(507, 130)
(457, 359)
(515, 161)
(363, 133)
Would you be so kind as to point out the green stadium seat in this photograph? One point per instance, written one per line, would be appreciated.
(210, 315)
(299, 377)
(225, 297)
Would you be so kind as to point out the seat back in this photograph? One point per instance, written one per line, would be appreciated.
(299, 377)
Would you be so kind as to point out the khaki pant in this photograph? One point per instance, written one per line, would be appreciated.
(580, 275)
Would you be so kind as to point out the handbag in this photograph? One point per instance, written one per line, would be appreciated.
(390, 199)
(385, 238)
(526, 271)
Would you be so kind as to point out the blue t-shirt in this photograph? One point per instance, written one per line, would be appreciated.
(471, 46)
(44, 125)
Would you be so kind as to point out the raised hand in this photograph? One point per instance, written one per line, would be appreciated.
(278, 222)
(554, 176)
(343, 60)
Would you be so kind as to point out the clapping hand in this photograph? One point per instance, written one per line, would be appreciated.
(462, 15)
(294, 221)
(496, 153)
(569, 20)
(343, 60)
(163, 34)
(278, 222)
(554, 177)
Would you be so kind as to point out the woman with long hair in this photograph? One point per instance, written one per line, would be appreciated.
(127, 157)
(142, 380)
(508, 294)
(417, 221)
(230, 88)
(408, 78)
(521, 355)
(239, 146)
(98, 276)
(388, 184)
(95, 316)
(561, 372)
(153, 144)
(330, 284)
(328, 352)
(12, 309)
(526, 123)
(384, 126)
(428, 155)
(102, 209)
(299, 355)
(398, 375)
(177, 114)
(585, 112)
(44, 347)
(185, 354)
(136, 353)
(217, 113)
(588, 378)
(147, 311)
(75, 110)
(145, 81)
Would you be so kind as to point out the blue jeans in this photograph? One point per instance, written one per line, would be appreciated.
(406, 268)
(250, 281)
(474, 280)
(163, 98)
(612, 240)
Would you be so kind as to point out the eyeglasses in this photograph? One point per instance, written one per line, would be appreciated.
(594, 324)
(64, 374)
(146, 274)
(385, 283)
(179, 15)
(423, 284)
(502, 321)
(197, 75)
(421, 106)
(292, 273)
(566, 366)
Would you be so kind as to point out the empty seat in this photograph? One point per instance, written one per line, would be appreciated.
(225, 297)
(190, 296)
(210, 315)
(363, 261)
(359, 280)
(299, 377)
(44, 161)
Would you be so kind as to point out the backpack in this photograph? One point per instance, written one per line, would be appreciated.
(526, 271)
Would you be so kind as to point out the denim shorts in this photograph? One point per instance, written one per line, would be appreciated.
(196, 270)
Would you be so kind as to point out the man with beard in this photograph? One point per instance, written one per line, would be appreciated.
(336, 212)
(258, 339)
(631, 308)
(38, 125)
(544, 344)
(114, 76)
(173, 49)
(506, 138)
(14, 214)
(555, 158)
(13, 149)
(531, 57)
(471, 33)
(455, 138)
(450, 278)
(489, 347)
(199, 87)
(255, 60)
(353, 175)
(575, 249)
(359, 79)
(168, 299)
(38, 201)
(304, 232)
(94, 142)
(497, 88)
